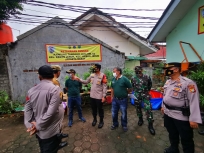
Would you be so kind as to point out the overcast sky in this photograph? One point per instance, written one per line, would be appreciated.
(20, 28)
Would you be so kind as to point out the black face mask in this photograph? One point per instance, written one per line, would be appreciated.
(95, 70)
(169, 72)
(138, 72)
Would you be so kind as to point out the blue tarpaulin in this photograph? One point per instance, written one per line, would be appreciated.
(156, 102)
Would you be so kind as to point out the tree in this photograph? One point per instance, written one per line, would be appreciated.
(10, 8)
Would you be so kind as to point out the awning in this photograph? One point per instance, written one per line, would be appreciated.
(136, 58)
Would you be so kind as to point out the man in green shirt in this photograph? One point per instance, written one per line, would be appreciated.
(73, 91)
(120, 87)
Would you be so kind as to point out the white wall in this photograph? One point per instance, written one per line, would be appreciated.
(113, 39)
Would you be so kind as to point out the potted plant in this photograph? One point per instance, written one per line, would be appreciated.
(86, 87)
(198, 77)
(109, 76)
(128, 73)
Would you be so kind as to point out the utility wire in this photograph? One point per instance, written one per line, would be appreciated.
(66, 27)
(80, 20)
(96, 12)
(98, 22)
(74, 6)
(39, 16)
(119, 26)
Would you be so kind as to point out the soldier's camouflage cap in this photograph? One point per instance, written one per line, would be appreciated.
(71, 71)
(172, 64)
(138, 68)
(56, 67)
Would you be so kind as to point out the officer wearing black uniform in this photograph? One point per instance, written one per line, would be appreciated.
(181, 109)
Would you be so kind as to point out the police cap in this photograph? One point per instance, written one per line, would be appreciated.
(46, 71)
(172, 64)
(97, 66)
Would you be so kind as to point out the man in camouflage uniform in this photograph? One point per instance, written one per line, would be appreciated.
(141, 85)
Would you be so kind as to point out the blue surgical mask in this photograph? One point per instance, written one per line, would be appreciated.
(69, 74)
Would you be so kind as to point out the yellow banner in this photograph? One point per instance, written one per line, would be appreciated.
(73, 53)
(201, 20)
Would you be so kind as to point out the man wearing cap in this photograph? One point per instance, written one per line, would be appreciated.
(44, 113)
(98, 93)
(141, 85)
(181, 109)
(56, 70)
(73, 91)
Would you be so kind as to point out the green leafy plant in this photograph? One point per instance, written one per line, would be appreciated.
(86, 87)
(109, 76)
(158, 76)
(202, 101)
(128, 73)
(91, 69)
(7, 106)
(198, 77)
(86, 75)
(10, 8)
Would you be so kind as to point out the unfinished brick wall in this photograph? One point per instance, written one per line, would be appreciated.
(4, 78)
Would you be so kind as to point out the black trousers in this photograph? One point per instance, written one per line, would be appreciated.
(180, 128)
(50, 145)
(97, 105)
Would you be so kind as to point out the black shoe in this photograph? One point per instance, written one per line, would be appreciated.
(125, 129)
(62, 144)
(151, 129)
(140, 122)
(171, 150)
(100, 125)
(62, 135)
(94, 122)
(114, 127)
(201, 132)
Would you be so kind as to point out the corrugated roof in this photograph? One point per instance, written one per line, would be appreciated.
(136, 58)
(161, 53)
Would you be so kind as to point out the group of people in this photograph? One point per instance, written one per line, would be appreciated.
(44, 112)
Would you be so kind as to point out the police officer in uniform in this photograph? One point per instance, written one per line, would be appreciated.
(98, 91)
(44, 113)
(141, 85)
(181, 109)
(56, 70)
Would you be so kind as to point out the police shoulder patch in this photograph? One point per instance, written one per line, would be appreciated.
(27, 98)
(191, 88)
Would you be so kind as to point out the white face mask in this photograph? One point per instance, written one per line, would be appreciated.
(69, 74)
(114, 74)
